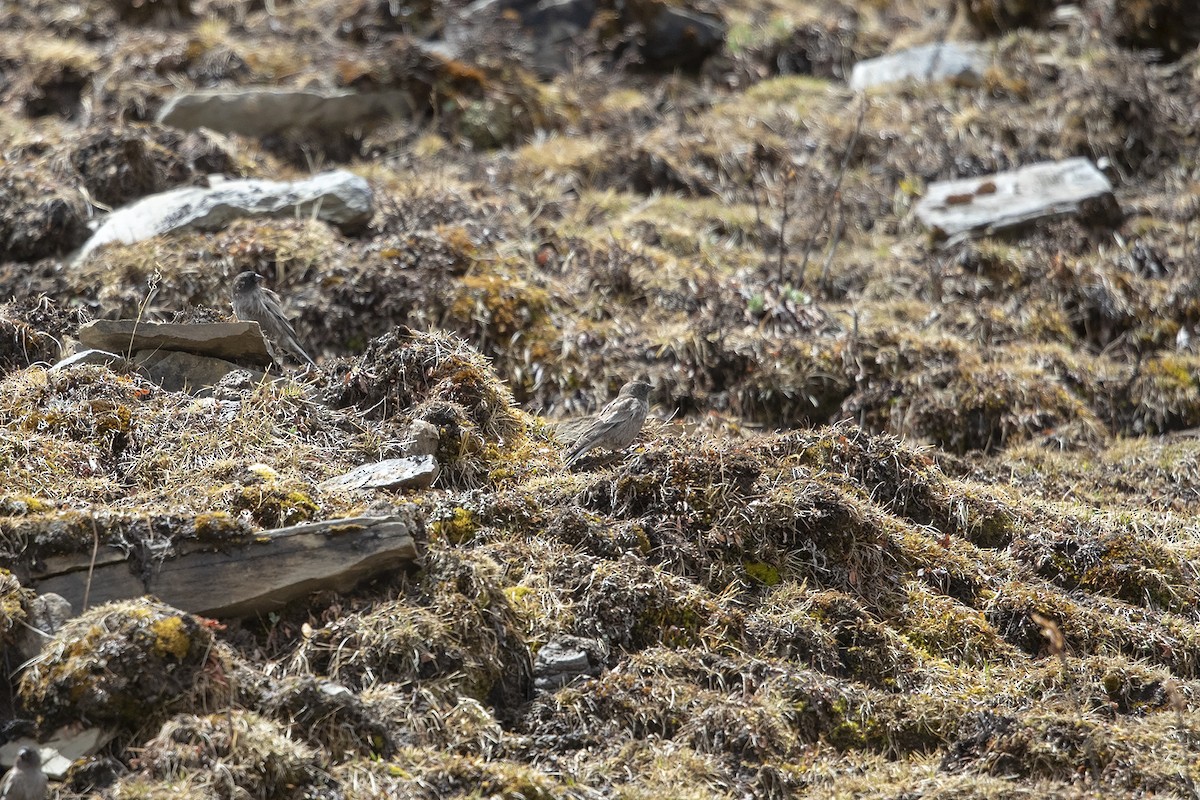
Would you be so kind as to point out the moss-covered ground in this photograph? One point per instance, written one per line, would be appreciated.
(911, 518)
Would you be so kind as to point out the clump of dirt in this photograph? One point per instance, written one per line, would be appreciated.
(127, 663)
(329, 716)
(227, 755)
(455, 627)
(39, 216)
(119, 166)
(31, 332)
(991, 17)
(407, 375)
(13, 599)
(1170, 27)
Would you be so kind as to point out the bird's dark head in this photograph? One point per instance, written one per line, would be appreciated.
(29, 758)
(637, 389)
(246, 282)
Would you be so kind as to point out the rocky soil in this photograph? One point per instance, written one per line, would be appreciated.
(915, 515)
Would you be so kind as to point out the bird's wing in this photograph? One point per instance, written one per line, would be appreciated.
(618, 411)
(275, 309)
(612, 416)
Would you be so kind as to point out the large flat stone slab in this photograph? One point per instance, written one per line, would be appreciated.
(928, 63)
(1006, 200)
(338, 197)
(263, 111)
(232, 341)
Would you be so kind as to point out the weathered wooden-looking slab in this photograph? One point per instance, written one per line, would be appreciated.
(1011, 199)
(277, 567)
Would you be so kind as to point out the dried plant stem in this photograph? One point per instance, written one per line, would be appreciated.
(835, 193)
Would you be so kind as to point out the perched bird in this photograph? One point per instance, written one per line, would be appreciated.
(25, 781)
(617, 425)
(253, 303)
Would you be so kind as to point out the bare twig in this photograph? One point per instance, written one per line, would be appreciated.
(788, 178)
(87, 589)
(151, 290)
(838, 229)
(834, 194)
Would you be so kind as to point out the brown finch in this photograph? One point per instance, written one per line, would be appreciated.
(617, 425)
(253, 303)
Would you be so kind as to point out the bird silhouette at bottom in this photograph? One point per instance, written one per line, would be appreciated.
(25, 781)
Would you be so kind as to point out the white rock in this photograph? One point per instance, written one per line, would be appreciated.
(1010, 199)
(963, 63)
(90, 356)
(339, 197)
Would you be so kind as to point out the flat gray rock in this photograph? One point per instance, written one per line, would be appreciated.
(263, 111)
(928, 63)
(232, 341)
(177, 371)
(566, 657)
(415, 472)
(421, 439)
(1010, 199)
(339, 197)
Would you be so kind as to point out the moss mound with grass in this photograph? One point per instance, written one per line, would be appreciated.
(126, 663)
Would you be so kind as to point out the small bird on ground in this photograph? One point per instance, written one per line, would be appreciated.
(253, 303)
(617, 425)
(25, 781)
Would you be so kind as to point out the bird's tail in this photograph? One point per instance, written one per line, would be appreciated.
(577, 451)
